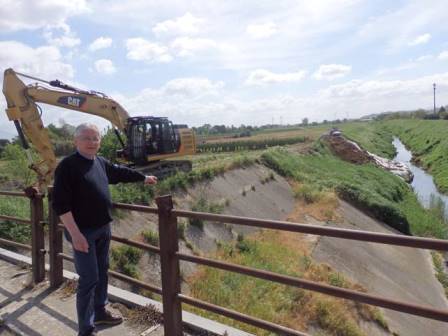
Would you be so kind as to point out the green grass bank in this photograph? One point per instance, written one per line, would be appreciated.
(428, 142)
(374, 190)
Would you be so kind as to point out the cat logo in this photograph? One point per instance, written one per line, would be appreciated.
(74, 101)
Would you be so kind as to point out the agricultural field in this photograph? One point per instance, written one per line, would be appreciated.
(317, 179)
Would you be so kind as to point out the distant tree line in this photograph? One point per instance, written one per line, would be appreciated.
(61, 139)
(441, 114)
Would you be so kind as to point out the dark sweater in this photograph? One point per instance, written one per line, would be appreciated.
(82, 187)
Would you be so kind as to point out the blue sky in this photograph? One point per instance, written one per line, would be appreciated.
(232, 62)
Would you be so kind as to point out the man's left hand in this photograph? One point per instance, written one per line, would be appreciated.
(150, 180)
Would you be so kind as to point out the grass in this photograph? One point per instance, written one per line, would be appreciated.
(288, 306)
(151, 237)
(16, 207)
(125, 260)
(428, 143)
(437, 259)
(371, 136)
(203, 205)
(378, 192)
(203, 170)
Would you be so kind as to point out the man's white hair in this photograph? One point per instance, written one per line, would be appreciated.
(84, 126)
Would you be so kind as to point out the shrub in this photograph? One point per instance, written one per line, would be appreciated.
(16, 207)
(125, 259)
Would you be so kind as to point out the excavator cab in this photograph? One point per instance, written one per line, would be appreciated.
(150, 137)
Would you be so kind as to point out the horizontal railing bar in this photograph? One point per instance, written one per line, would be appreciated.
(15, 244)
(404, 307)
(383, 238)
(134, 243)
(134, 207)
(13, 193)
(133, 281)
(16, 219)
(239, 317)
(122, 277)
(137, 244)
(66, 257)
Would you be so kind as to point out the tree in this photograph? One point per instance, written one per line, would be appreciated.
(3, 143)
(305, 121)
(109, 145)
(442, 113)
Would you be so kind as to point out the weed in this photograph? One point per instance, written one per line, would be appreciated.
(15, 207)
(308, 193)
(335, 279)
(181, 227)
(151, 237)
(125, 259)
(202, 205)
(440, 271)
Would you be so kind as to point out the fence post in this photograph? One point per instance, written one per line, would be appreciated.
(169, 245)
(56, 262)
(37, 234)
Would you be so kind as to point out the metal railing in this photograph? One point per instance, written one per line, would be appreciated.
(170, 258)
(36, 222)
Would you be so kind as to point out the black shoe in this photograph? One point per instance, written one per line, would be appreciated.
(106, 317)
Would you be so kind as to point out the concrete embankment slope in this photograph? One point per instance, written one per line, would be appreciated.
(399, 273)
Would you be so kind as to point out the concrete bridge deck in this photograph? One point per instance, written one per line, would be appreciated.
(41, 311)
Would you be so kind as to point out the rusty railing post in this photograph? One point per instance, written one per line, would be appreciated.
(37, 234)
(55, 245)
(169, 245)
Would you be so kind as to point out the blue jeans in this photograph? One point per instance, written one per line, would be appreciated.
(91, 294)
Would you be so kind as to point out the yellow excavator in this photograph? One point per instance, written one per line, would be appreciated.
(147, 142)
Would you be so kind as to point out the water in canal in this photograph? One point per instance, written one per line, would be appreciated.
(423, 183)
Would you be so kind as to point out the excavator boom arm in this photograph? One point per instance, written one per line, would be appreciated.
(23, 110)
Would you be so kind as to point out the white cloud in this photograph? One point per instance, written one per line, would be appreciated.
(66, 39)
(425, 17)
(443, 55)
(140, 49)
(421, 39)
(192, 87)
(24, 14)
(261, 31)
(424, 58)
(45, 61)
(105, 67)
(374, 89)
(100, 43)
(187, 46)
(332, 71)
(184, 25)
(263, 77)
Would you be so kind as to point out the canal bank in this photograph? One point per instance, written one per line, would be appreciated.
(423, 185)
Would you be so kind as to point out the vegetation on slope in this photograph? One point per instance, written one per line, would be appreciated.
(296, 308)
(378, 192)
(370, 136)
(427, 141)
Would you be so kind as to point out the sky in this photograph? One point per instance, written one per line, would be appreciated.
(251, 62)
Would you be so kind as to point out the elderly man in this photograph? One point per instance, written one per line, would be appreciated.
(82, 200)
